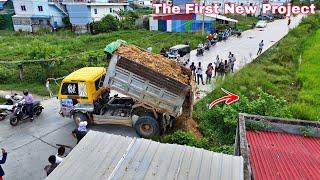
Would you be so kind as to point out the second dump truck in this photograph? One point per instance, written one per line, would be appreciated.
(157, 91)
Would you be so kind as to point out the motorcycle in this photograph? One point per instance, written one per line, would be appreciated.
(13, 99)
(7, 108)
(199, 52)
(20, 112)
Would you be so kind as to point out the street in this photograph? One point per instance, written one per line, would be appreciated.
(31, 143)
(245, 47)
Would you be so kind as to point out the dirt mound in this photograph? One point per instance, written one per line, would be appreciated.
(189, 125)
(156, 62)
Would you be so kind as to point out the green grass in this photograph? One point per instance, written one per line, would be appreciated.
(70, 51)
(307, 105)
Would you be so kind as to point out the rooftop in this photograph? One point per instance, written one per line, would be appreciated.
(86, 74)
(276, 155)
(107, 156)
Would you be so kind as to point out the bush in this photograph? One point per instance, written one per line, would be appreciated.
(107, 24)
(219, 124)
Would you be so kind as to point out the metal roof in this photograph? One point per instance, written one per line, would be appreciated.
(275, 155)
(106, 156)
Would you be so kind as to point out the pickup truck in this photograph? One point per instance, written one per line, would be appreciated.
(153, 99)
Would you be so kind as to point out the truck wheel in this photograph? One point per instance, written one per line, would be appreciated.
(14, 121)
(79, 117)
(147, 127)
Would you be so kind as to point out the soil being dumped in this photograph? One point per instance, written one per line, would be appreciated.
(155, 62)
(187, 124)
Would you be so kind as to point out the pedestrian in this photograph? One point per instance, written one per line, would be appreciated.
(221, 68)
(260, 47)
(289, 21)
(231, 62)
(216, 65)
(199, 74)
(2, 161)
(28, 99)
(60, 155)
(193, 70)
(209, 73)
(230, 55)
(226, 67)
(49, 168)
(81, 131)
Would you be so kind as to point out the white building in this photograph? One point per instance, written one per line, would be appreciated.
(32, 15)
(100, 10)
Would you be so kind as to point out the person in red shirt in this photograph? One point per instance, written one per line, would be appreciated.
(2, 161)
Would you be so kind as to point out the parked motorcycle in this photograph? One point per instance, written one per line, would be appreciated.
(199, 52)
(13, 99)
(20, 112)
(7, 108)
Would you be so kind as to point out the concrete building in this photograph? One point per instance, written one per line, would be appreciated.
(83, 12)
(31, 15)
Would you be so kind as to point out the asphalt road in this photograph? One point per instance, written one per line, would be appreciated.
(245, 47)
(31, 143)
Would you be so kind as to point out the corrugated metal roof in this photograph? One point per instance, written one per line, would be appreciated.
(284, 156)
(106, 156)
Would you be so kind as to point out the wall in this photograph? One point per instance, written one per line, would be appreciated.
(79, 14)
(102, 11)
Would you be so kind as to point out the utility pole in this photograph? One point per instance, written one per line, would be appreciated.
(204, 3)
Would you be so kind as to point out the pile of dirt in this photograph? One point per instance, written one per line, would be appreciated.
(155, 62)
(189, 125)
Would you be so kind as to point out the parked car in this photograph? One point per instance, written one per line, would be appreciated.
(261, 24)
(265, 18)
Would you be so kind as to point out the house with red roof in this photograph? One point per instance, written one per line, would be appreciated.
(277, 148)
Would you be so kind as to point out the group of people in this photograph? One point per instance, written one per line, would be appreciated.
(55, 160)
(220, 67)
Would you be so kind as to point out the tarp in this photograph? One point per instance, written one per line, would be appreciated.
(110, 48)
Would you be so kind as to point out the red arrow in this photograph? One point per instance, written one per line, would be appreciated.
(229, 99)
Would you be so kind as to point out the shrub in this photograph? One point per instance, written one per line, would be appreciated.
(107, 24)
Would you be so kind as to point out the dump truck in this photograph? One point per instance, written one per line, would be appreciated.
(154, 96)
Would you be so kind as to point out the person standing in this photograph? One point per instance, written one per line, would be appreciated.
(60, 155)
(81, 131)
(29, 103)
(199, 74)
(221, 68)
(230, 55)
(226, 67)
(193, 70)
(2, 161)
(209, 73)
(232, 60)
(216, 65)
(260, 47)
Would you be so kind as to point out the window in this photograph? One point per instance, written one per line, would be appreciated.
(110, 10)
(40, 8)
(99, 82)
(69, 89)
(95, 11)
(23, 8)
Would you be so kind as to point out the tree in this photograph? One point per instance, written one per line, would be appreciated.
(107, 24)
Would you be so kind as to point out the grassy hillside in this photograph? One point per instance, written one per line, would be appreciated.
(307, 105)
(278, 83)
(70, 51)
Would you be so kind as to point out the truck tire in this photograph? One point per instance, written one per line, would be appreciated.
(79, 117)
(147, 126)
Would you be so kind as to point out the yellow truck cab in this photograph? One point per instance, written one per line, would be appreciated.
(84, 86)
